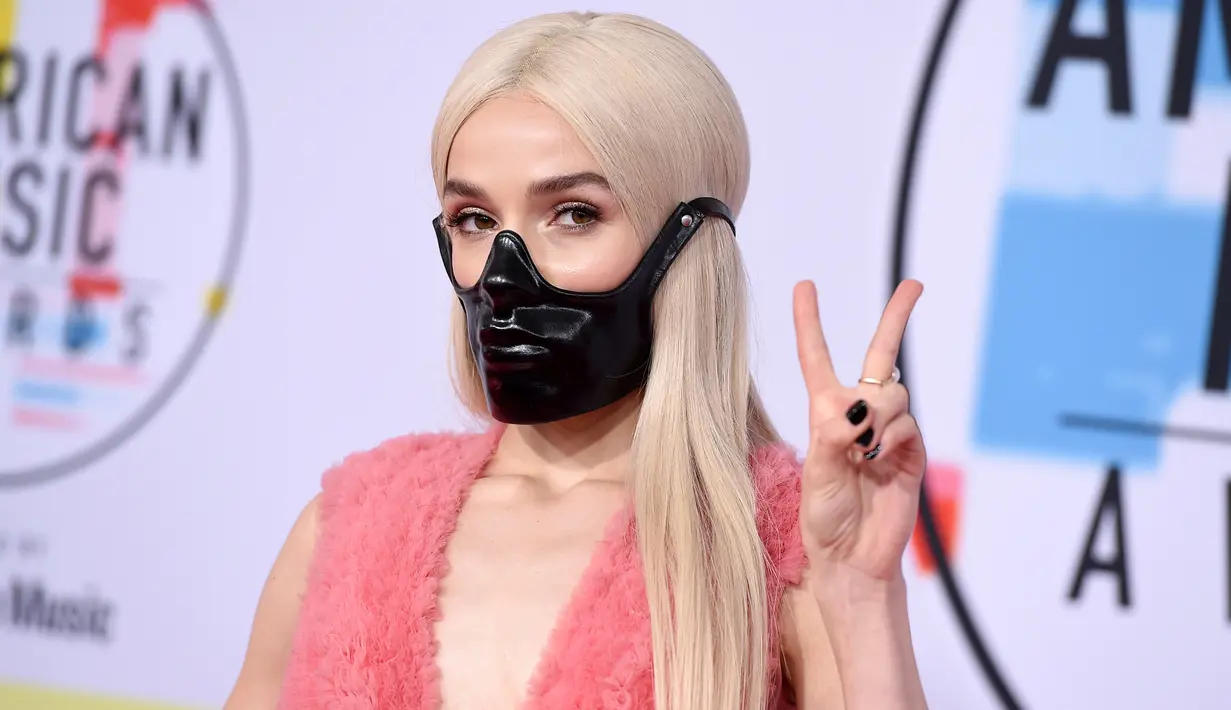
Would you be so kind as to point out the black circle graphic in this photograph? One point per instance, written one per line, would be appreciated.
(56, 470)
(948, 579)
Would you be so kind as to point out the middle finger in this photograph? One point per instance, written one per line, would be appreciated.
(887, 341)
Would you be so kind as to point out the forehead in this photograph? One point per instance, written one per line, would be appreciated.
(516, 138)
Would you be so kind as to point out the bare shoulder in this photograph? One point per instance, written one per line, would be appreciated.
(273, 630)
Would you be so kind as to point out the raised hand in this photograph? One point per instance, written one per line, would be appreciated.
(865, 461)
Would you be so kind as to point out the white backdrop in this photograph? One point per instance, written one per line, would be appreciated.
(1070, 255)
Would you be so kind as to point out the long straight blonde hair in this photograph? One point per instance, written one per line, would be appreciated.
(664, 126)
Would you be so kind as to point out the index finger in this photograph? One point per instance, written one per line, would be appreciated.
(883, 351)
(814, 357)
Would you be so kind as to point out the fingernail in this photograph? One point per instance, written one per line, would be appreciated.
(865, 438)
(873, 453)
(857, 413)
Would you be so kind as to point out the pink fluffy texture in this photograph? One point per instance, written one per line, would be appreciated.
(365, 637)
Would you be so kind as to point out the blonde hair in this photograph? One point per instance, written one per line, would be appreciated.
(664, 126)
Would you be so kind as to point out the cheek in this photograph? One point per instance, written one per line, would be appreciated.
(469, 258)
(594, 266)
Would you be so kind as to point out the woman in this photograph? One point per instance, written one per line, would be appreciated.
(630, 533)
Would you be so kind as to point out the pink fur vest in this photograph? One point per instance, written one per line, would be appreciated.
(365, 636)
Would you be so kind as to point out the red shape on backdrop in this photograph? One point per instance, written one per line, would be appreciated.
(946, 488)
(119, 14)
(87, 286)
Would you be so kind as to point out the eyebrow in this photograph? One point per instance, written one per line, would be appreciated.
(547, 186)
(560, 183)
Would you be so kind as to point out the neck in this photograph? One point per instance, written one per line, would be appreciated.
(593, 446)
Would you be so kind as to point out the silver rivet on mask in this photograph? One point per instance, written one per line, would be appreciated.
(686, 220)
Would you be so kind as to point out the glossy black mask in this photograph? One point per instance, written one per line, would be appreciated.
(547, 354)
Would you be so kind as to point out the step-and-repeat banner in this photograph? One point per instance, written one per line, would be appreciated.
(214, 221)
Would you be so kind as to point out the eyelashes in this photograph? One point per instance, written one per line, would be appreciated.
(568, 216)
(457, 220)
(589, 214)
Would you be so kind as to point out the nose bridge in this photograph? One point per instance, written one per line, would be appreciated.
(509, 276)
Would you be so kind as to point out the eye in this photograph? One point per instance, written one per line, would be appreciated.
(481, 222)
(471, 222)
(576, 216)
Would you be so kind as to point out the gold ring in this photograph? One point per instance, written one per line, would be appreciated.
(894, 378)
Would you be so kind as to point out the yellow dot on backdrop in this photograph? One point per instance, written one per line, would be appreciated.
(215, 301)
(8, 29)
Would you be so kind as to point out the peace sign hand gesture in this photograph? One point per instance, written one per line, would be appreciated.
(865, 461)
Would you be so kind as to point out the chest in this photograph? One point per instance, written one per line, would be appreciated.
(524, 587)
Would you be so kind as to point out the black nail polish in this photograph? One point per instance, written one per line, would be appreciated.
(873, 453)
(866, 437)
(857, 413)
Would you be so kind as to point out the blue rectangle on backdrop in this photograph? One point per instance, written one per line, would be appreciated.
(1097, 308)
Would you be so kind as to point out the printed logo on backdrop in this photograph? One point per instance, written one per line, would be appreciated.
(123, 180)
(1066, 196)
(28, 605)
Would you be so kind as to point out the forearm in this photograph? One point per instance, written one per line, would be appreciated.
(869, 629)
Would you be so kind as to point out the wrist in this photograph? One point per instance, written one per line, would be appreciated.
(857, 608)
(840, 589)
(867, 622)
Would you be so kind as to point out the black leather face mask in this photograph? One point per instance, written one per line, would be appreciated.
(546, 354)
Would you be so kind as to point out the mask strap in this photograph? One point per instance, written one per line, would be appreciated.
(446, 248)
(674, 236)
(713, 207)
